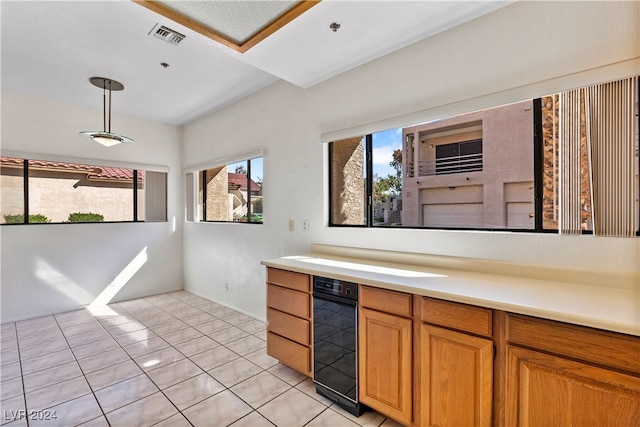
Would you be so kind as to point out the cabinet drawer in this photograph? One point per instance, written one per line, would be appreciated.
(289, 279)
(289, 353)
(618, 351)
(386, 301)
(288, 301)
(288, 326)
(466, 318)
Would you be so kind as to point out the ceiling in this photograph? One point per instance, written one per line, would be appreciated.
(52, 48)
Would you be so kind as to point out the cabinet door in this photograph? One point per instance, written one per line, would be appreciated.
(385, 363)
(456, 378)
(544, 390)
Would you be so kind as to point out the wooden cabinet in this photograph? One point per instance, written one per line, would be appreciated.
(424, 361)
(289, 319)
(560, 374)
(456, 364)
(546, 390)
(385, 354)
(461, 317)
(617, 351)
(456, 378)
(430, 362)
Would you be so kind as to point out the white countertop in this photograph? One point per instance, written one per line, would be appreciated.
(602, 307)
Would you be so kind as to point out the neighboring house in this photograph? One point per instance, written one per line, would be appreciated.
(388, 212)
(473, 170)
(238, 188)
(233, 206)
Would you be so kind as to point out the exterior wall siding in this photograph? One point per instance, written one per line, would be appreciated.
(57, 197)
(507, 157)
(348, 182)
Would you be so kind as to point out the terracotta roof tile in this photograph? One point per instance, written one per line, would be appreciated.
(240, 180)
(93, 172)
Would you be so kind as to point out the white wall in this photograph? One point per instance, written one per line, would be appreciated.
(525, 50)
(52, 268)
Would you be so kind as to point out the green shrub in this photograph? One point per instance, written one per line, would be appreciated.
(14, 219)
(19, 219)
(85, 217)
(38, 219)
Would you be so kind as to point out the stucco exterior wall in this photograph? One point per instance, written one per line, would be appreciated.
(486, 196)
(217, 189)
(348, 205)
(57, 197)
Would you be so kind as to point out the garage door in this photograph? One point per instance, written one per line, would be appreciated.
(520, 215)
(453, 215)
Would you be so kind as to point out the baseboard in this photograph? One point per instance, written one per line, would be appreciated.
(246, 313)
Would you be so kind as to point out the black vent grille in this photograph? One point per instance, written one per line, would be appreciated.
(167, 34)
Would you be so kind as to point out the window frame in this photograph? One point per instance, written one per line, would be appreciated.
(26, 158)
(369, 189)
(368, 170)
(538, 165)
(201, 186)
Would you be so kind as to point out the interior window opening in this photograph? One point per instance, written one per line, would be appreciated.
(567, 163)
(232, 193)
(42, 191)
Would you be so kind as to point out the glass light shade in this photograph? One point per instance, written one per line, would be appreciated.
(107, 139)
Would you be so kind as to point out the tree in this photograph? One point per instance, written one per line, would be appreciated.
(396, 163)
(257, 205)
(391, 184)
(383, 187)
(241, 169)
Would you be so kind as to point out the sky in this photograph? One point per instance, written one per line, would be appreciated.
(384, 143)
(257, 173)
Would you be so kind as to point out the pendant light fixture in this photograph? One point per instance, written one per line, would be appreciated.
(105, 137)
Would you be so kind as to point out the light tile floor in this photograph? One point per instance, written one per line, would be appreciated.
(167, 360)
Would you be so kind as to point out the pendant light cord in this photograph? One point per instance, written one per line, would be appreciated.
(104, 107)
(109, 106)
(106, 124)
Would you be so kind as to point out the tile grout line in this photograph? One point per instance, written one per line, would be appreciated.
(185, 356)
(24, 391)
(82, 370)
(130, 358)
(204, 371)
(252, 376)
(270, 400)
(189, 358)
(147, 375)
(229, 388)
(134, 312)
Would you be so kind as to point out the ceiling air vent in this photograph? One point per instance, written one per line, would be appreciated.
(167, 34)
